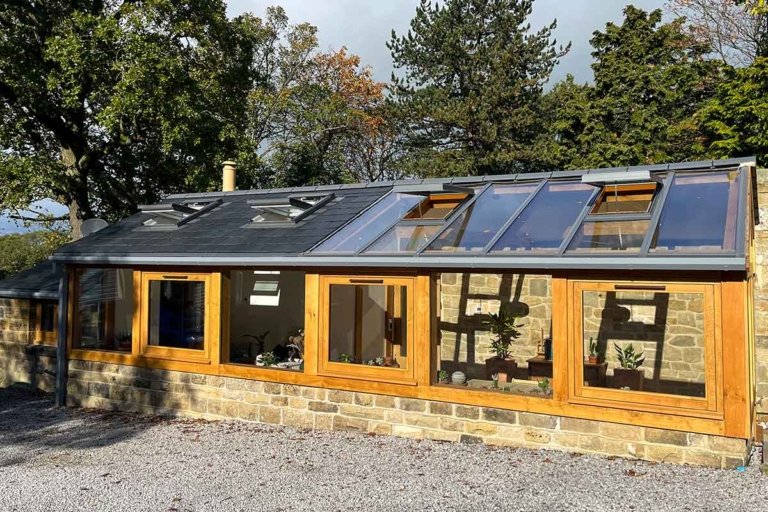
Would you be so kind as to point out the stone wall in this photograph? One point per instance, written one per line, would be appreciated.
(465, 302)
(21, 362)
(760, 296)
(125, 388)
(668, 328)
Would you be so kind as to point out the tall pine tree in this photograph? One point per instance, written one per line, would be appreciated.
(470, 82)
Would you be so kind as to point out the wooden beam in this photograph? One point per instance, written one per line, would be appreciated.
(736, 393)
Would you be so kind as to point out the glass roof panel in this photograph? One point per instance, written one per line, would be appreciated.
(403, 238)
(436, 206)
(358, 233)
(622, 235)
(478, 224)
(700, 214)
(547, 219)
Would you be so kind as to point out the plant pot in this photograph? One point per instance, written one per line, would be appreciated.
(389, 361)
(626, 378)
(458, 378)
(593, 360)
(505, 368)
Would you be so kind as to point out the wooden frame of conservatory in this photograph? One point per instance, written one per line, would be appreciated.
(733, 356)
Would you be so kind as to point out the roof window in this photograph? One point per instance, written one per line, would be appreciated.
(176, 214)
(287, 211)
(626, 198)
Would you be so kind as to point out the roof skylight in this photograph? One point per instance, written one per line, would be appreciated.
(289, 210)
(176, 214)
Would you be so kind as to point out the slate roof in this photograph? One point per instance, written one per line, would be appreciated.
(226, 229)
(225, 236)
(38, 282)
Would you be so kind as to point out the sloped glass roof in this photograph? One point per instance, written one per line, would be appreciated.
(685, 212)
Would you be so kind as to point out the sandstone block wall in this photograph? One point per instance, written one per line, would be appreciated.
(125, 388)
(667, 327)
(466, 299)
(760, 297)
(20, 362)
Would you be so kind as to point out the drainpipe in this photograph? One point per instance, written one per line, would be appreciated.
(61, 345)
(228, 176)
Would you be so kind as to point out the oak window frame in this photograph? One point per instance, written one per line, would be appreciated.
(709, 406)
(212, 300)
(325, 367)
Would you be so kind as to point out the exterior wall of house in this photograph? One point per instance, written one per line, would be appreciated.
(127, 388)
(21, 362)
(761, 296)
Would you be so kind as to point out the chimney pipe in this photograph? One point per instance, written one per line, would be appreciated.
(228, 176)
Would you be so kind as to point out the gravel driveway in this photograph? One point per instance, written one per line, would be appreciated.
(54, 459)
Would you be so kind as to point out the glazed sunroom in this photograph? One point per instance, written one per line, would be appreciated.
(408, 289)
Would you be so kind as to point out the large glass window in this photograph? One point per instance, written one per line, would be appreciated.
(367, 327)
(547, 220)
(620, 235)
(646, 343)
(266, 320)
(103, 309)
(650, 341)
(494, 333)
(370, 224)
(177, 314)
(475, 227)
(700, 214)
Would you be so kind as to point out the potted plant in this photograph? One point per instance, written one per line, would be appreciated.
(503, 326)
(594, 355)
(628, 376)
(443, 377)
(346, 358)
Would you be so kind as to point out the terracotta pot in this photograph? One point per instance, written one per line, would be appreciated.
(504, 367)
(626, 378)
(389, 361)
(593, 359)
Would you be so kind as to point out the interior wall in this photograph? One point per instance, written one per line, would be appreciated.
(281, 320)
(342, 321)
(465, 301)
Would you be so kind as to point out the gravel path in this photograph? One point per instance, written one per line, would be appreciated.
(55, 459)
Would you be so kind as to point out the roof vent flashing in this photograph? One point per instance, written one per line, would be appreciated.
(616, 177)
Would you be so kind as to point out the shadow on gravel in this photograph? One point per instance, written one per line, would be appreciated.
(30, 423)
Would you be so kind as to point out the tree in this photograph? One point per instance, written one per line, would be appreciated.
(471, 76)
(106, 105)
(737, 31)
(650, 79)
(737, 117)
(22, 251)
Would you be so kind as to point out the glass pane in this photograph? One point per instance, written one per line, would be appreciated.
(635, 198)
(177, 314)
(48, 316)
(368, 324)
(547, 220)
(625, 235)
(467, 303)
(266, 322)
(104, 309)
(403, 238)
(436, 207)
(660, 336)
(700, 214)
(478, 224)
(358, 233)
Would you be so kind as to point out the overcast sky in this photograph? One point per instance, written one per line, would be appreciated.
(364, 26)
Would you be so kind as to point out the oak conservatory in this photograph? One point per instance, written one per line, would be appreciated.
(604, 310)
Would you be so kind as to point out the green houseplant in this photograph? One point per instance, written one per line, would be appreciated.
(594, 355)
(503, 327)
(628, 375)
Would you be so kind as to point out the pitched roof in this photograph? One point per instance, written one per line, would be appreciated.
(38, 282)
(222, 232)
